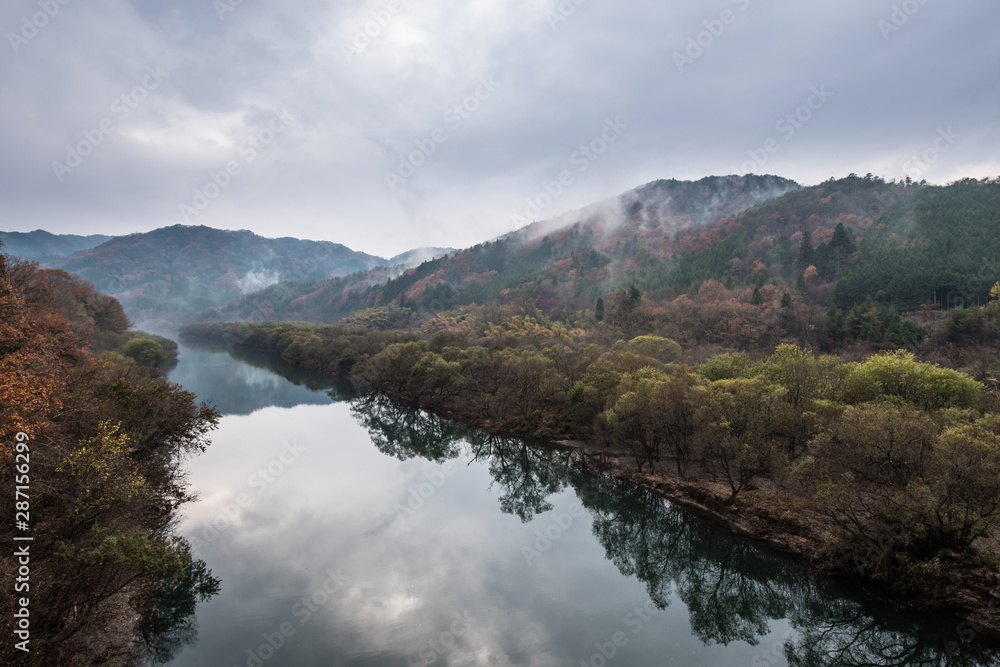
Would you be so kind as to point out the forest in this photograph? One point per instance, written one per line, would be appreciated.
(884, 465)
(93, 437)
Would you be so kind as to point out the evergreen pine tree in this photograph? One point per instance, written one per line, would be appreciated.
(836, 324)
(842, 240)
(807, 254)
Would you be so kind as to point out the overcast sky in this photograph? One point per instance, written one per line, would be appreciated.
(331, 133)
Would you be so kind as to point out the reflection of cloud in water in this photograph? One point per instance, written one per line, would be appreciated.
(336, 505)
(258, 378)
(456, 553)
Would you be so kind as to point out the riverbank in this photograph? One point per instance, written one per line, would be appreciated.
(794, 528)
(885, 470)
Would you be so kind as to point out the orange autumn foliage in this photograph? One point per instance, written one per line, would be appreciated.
(35, 344)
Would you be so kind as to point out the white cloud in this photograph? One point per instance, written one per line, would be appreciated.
(327, 179)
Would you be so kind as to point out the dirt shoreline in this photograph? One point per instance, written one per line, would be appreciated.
(789, 527)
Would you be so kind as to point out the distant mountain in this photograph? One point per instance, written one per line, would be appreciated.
(44, 247)
(561, 264)
(755, 238)
(164, 276)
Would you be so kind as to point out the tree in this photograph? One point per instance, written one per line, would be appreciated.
(658, 411)
(807, 254)
(103, 475)
(108, 440)
(682, 417)
(842, 240)
(146, 352)
(599, 310)
(880, 443)
(434, 379)
(529, 386)
(964, 480)
(661, 349)
(907, 497)
(741, 444)
(634, 421)
(897, 375)
(390, 369)
(800, 373)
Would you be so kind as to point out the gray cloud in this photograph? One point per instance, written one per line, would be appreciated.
(359, 109)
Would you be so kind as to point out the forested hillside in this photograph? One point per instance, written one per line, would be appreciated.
(740, 262)
(169, 273)
(561, 264)
(42, 246)
(942, 244)
(665, 239)
(92, 436)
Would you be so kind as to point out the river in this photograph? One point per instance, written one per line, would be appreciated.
(349, 530)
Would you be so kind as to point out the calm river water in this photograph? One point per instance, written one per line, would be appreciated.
(351, 531)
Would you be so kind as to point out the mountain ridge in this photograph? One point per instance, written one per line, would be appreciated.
(42, 246)
(162, 274)
(612, 228)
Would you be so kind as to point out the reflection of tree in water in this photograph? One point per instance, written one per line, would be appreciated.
(238, 392)
(402, 432)
(845, 632)
(337, 389)
(526, 475)
(732, 589)
(169, 623)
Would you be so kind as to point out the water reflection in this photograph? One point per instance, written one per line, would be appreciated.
(169, 623)
(404, 433)
(241, 381)
(722, 600)
(733, 590)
